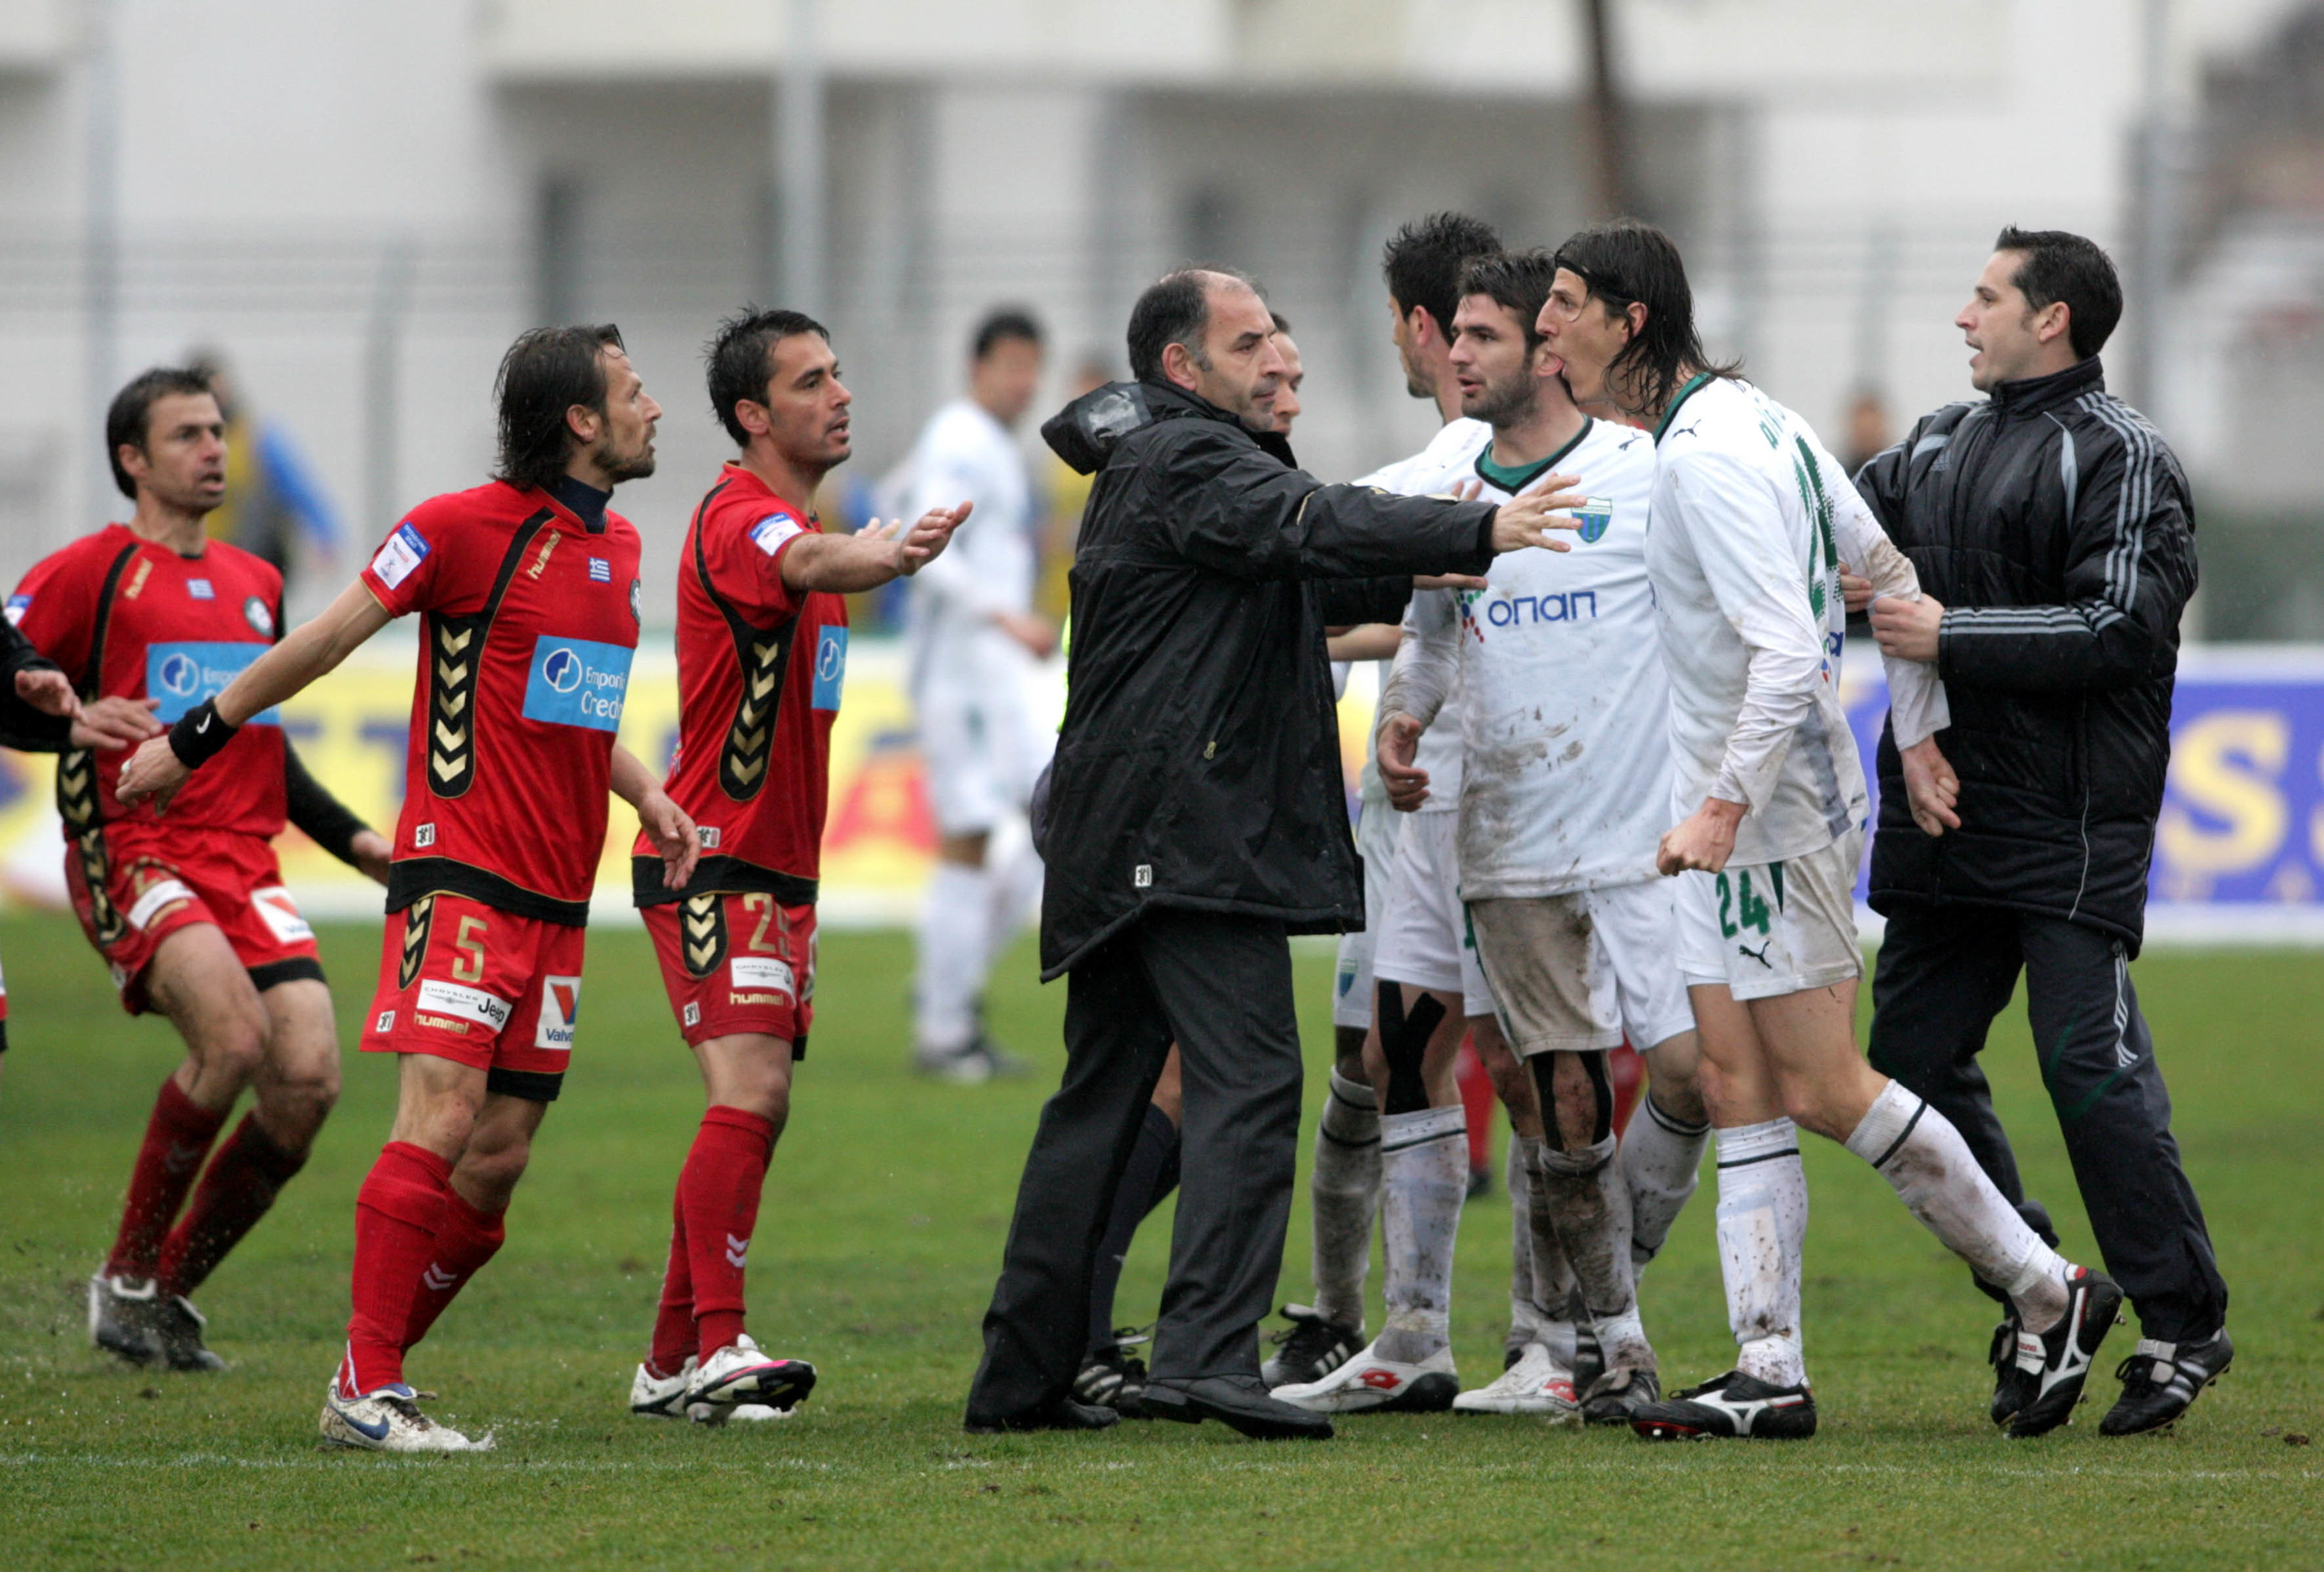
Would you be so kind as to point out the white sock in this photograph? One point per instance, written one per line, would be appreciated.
(952, 926)
(1344, 1189)
(1541, 1286)
(1424, 1179)
(1589, 1207)
(1661, 1162)
(1012, 877)
(1925, 1161)
(1763, 1224)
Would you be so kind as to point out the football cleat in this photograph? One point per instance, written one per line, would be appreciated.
(388, 1419)
(739, 1372)
(1535, 1384)
(121, 1318)
(178, 1334)
(2011, 1386)
(974, 1063)
(1619, 1396)
(1730, 1407)
(2161, 1381)
(663, 1397)
(1313, 1348)
(1367, 1383)
(1112, 1377)
(2056, 1362)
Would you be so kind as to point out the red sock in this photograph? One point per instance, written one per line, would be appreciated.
(397, 1213)
(1477, 1100)
(242, 1181)
(718, 1194)
(464, 1240)
(176, 1138)
(673, 1333)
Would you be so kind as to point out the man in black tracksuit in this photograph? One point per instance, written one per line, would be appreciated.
(1196, 818)
(2053, 533)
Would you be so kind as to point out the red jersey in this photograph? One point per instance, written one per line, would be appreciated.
(129, 617)
(531, 620)
(758, 671)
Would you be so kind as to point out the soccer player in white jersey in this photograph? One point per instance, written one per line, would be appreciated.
(1422, 263)
(1562, 720)
(1752, 518)
(970, 637)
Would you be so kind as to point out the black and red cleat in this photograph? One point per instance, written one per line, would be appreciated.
(1730, 1407)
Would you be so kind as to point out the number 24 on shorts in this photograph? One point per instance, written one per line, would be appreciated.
(1740, 907)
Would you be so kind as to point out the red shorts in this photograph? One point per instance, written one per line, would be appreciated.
(136, 881)
(737, 963)
(468, 982)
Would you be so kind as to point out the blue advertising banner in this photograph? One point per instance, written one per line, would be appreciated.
(2239, 852)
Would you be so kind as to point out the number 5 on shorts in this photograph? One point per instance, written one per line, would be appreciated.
(470, 942)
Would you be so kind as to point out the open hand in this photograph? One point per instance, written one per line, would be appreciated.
(115, 723)
(1531, 519)
(1399, 741)
(927, 535)
(1930, 788)
(47, 691)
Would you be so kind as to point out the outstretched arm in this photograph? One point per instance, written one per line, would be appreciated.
(871, 557)
(307, 652)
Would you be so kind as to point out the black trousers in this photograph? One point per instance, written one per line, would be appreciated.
(1220, 987)
(1944, 973)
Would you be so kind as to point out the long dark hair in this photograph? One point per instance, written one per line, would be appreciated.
(1628, 261)
(544, 373)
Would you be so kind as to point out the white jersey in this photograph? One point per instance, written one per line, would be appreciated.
(1752, 518)
(1450, 458)
(963, 453)
(1565, 719)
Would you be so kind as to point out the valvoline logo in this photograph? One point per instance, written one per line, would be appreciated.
(577, 682)
(830, 667)
(183, 675)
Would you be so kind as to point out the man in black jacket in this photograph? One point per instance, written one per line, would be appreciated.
(2053, 532)
(1195, 819)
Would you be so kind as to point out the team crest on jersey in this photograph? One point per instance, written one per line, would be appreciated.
(1595, 515)
(638, 601)
(261, 619)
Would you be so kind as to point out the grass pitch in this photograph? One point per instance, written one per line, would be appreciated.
(878, 1243)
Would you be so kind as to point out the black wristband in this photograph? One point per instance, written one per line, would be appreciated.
(200, 735)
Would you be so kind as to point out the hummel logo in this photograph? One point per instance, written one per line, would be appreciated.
(736, 1249)
(436, 1279)
(1759, 955)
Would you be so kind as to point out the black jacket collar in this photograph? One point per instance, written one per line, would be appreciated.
(1085, 432)
(2032, 395)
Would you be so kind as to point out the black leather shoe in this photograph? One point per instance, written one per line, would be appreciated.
(1239, 1402)
(1062, 1414)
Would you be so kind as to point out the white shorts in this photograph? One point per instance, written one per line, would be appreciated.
(1773, 928)
(1424, 934)
(981, 755)
(1378, 828)
(1586, 971)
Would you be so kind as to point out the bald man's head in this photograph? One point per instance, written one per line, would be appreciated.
(1206, 330)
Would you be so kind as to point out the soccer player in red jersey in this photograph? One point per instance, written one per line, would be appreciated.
(528, 592)
(190, 914)
(761, 650)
